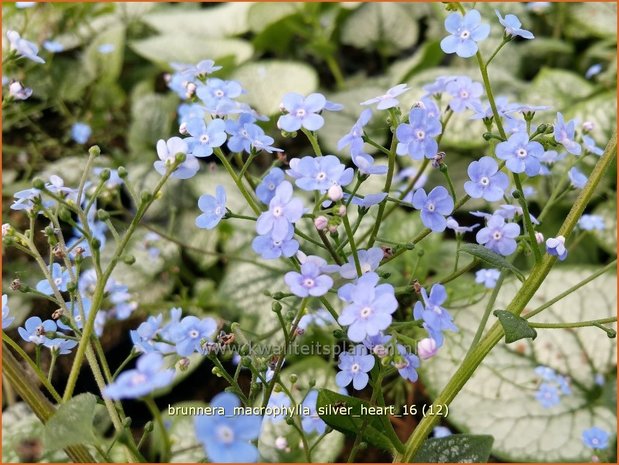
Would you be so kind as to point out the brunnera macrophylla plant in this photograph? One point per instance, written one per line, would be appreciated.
(307, 212)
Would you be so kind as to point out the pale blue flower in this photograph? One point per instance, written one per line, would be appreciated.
(388, 100)
(512, 26)
(434, 207)
(167, 150)
(487, 277)
(7, 319)
(354, 367)
(302, 112)
(213, 208)
(148, 375)
(465, 33)
(309, 282)
(24, 47)
(595, 438)
(556, 246)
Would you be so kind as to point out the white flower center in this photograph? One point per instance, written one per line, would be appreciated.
(218, 211)
(465, 34)
(464, 94)
(497, 235)
(308, 282)
(204, 138)
(244, 133)
(219, 93)
(277, 212)
(420, 134)
(58, 281)
(271, 187)
(321, 176)
(366, 312)
(225, 434)
(355, 368)
(137, 379)
(193, 334)
(484, 181)
(430, 207)
(300, 112)
(366, 268)
(521, 153)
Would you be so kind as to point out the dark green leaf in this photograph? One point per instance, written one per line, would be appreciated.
(515, 327)
(378, 430)
(491, 257)
(72, 423)
(463, 448)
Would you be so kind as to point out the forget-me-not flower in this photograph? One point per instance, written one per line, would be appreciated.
(319, 173)
(520, 154)
(354, 367)
(312, 422)
(416, 138)
(487, 181)
(407, 364)
(388, 100)
(204, 138)
(564, 134)
(310, 281)
(34, 330)
(24, 47)
(354, 138)
(589, 145)
(213, 208)
(284, 209)
(487, 277)
(368, 261)
(80, 132)
(270, 249)
(189, 333)
(591, 222)
(547, 395)
(436, 318)
(434, 207)
(465, 93)
(512, 26)
(266, 189)
(499, 236)
(556, 246)
(577, 178)
(302, 112)
(465, 31)
(595, 438)
(148, 375)
(61, 278)
(167, 150)
(59, 345)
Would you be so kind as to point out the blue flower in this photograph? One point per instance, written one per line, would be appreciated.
(440, 432)
(190, 332)
(283, 210)
(24, 47)
(213, 208)
(18, 91)
(368, 261)
(556, 246)
(245, 135)
(60, 345)
(319, 173)
(465, 33)
(312, 422)
(25, 4)
(487, 181)
(80, 132)
(34, 330)
(354, 367)
(354, 138)
(593, 70)
(590, 146)
(465, 93)
(319, 318)
(368, 200)
(106, 49)
(545, 373)
(279, 401)
(53, 46)
(370, 307)
(498, 236)
(416, 138)
(309, 281)
(7, 319)
(487, 277)
(434, 207)
(595, 438)
(520, 154)
(548, 395)
(436, 318)
(407, 364)
(366, 165)
(388, 100)
(512, 24)
(577, 178)
(167, 150)
(270, 249)
(204, 138)
(143, 337)
(148, 375)
(302, 112)
(266, 189)
(218, 95)
(564, 135)
(591, 222)
(439, 85)
(60, 277)
(451, 223)
(74, 308)
(120, 298)
(227, 438)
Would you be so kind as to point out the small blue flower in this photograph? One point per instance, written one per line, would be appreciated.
(487, 277)
(7, 319)
(204, 138)
(556, 246)
(465, 33)
(60, 345)
(439, 86)
(440, 432)
(167, 150)
(302, 112)
(434, 207)
(143, 337)
(60, 277)
(595, 438)
(242, 132)
(368, 261)
(590, 146)
(106, 49)
(213, 208)
(451, 223)
(591, 223)
(487, 181)
(53, 46)
(24, 47)
(18, 91)
(309, 281)
(319, 173)
(25, 4)
(369, 200)
(354, 367)
(270, 249)
(512, 26)
(190, 332)
(564, 135)
(577, 178)
(148, 375)
(320, 318)
(436, 318)
(354, 138)
(34, 330)
(593, 70)
(120, 298)
(279, 401)
(416, 138)
(548, 395)
(465, 93)
(407, 364)
(546, 373)
(520, 154)
(80, 132)
(312, 422)
(366, 164)
(74, 308)
(266, 189)
(370, 306)
(218, 95)
(283, 211)
(498, 236)
(388, 100)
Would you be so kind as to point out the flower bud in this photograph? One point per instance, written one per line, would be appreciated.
(380, 350)
(38, 183)
(57, 314)
(333, 228)
(58, 251)
(95, 151)
(321, 223)
(293, 378)
(183, 364)
(276, 307)
(426, 348)
(183, 129)
(122, 172)
(102, 215)
(180, 157)
(128, 259)
(588, 126)
(335, 192)
(342, 211)
(7, 230)
(539, 237)
(281, 443)
(15, 284)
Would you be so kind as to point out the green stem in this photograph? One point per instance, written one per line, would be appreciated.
(527, 219)
(353, 247)
(336, 71)
(325, 240)
(314, 141)
(156, 413)
(577, 324)
(450, 184)
(239, 182)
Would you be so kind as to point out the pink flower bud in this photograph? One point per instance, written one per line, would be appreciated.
(539, 237)
(588, 126)
(321, 223)
(426, 348)
(335, 192)
(342, 210)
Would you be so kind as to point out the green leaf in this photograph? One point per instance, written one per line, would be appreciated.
(602, 111)
(491, 258)
(180, 47)
(267, 81)
(261, 15)
(607, 237)
(429, 54)
(388, 26)
(151, 119)
(597, 19)
(106, 66)
(514, 326)
(558, 88)
(457, 448)
(71, 424)
(348, 414)
(501, 393)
